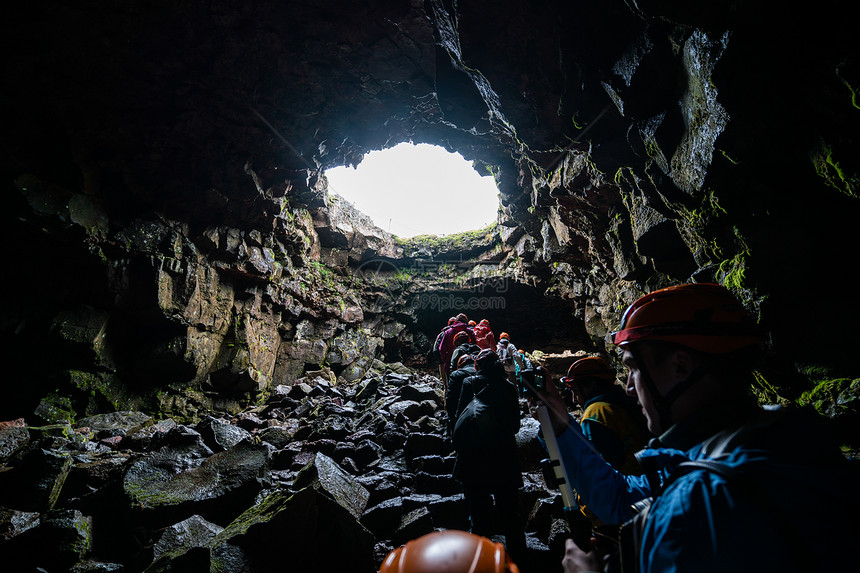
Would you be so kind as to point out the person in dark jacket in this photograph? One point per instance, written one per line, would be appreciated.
(443, 347)
(446, 342)
(462, 345)
(491, 473)
(465, 368)
(728, 485)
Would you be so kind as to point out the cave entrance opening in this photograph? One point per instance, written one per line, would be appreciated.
(421, 189)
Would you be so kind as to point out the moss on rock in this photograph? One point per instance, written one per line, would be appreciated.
(834, 398)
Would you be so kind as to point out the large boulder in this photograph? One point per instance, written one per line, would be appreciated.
(35, 484)
(13, 436)
(307, 529)
(218, 487)
(115, 423)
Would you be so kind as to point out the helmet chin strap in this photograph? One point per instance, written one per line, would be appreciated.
(663, 403)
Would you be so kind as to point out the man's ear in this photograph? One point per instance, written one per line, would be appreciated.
(682, 363)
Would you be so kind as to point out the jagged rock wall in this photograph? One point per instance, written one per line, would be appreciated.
(183, 321)
(164, 160)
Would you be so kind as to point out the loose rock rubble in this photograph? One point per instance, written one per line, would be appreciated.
(320, 475)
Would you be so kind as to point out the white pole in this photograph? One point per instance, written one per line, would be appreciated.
(555, 456)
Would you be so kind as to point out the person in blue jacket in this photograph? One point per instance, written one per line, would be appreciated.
(727, 485)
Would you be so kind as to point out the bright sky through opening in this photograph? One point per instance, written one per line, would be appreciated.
(418, 190)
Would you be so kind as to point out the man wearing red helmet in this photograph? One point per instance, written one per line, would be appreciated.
(728, 486)
(611, 420)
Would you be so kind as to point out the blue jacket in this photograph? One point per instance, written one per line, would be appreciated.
(794, 505)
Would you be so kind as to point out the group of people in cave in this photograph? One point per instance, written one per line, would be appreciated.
(676, 469)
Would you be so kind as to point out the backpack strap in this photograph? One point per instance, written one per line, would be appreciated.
(630, 536)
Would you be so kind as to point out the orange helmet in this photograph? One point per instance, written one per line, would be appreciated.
(465, 360)
(461, 338)
(591, 367)
(449, 551)
(486, 358)
(484, 322)
(701, 316)
(452, 320)
(504, 335)
(473, 323)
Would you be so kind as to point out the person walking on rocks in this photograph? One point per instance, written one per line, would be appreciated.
(488, 469)
(463, 345)
(446, 346)
(509, 356)
(443, 347)
(523, 365)
(436, 352)
(728, 486)
(465, 368)
(484, 337)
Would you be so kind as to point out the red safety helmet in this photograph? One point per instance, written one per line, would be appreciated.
(701, 316)
(449, 551)
(590, 367)
(484, 322)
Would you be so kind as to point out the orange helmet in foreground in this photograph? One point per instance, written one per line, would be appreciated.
(450, 551)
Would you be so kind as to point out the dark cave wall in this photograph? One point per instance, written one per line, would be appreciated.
(171, 154)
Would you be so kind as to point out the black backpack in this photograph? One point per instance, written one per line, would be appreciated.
(476, 426)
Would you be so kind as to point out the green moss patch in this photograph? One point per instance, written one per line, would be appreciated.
(458, 241)
(828, 167)
(835, 398)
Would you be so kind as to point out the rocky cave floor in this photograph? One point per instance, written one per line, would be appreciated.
(318, 474)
